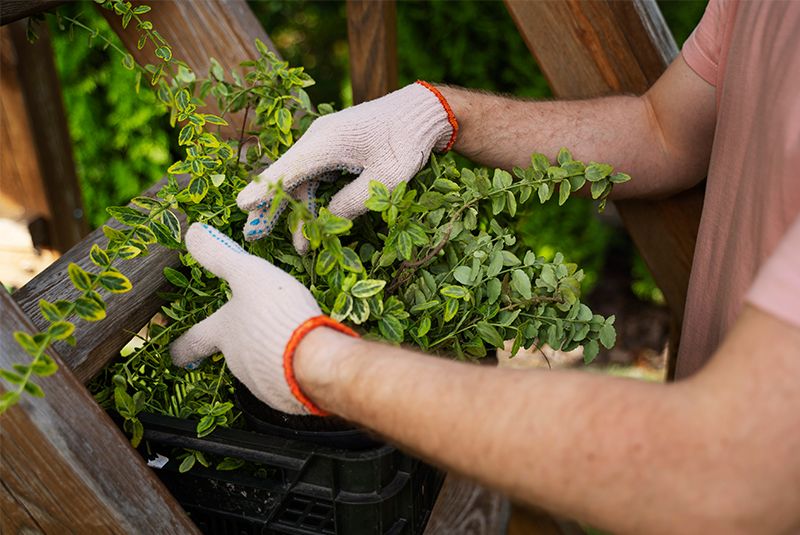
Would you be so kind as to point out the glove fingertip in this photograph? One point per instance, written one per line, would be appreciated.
(181, 354)
(300, 242)
(256, 225)
(192, 348)
(194, 364)
(254, 195)
(346, 206)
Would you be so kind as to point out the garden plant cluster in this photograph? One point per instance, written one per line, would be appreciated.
(435, 264)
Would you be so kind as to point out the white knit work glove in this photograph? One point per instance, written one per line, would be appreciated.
(253, 329)
(388, 139)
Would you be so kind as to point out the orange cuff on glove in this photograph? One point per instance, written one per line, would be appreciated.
(288, 356)
(451, 117)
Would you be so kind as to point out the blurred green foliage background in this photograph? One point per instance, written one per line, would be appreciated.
(123, 143)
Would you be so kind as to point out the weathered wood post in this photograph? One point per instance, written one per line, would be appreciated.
(65, 465)
(40, 176)
(601, 47)
(372, 35)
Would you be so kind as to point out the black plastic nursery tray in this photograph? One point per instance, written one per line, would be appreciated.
(300, 488)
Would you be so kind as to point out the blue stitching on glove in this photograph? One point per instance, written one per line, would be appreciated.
(224, 240)
(194, 364)
(312, 192)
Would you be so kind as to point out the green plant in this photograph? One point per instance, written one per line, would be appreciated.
(434, 263)
(431, 264)
(411, 283)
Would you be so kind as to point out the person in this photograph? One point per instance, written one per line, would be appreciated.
(714, 452)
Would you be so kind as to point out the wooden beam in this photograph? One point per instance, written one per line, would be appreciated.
(600, 47)
(66, 467)
(37, 80)
(197, 31)
(372, 34)
(22, 195)
(12, 10)
(464, 506)
(100, 341)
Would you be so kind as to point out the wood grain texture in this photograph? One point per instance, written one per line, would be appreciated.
(466, 508)
(11, 10)
(100, 341)
(525, 520)
(372, 35)
(22, 194)
(591, 48)
(65, 467)
(42, 103)
(198, 31)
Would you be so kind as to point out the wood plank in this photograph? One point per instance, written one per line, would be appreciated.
(44, 107)
(100, 341)
(372, 34)
(591, 48)
(464, 506)
(11, 10)
(38, 180)
(525, 520)
(66, 467)
(188, 28)
(21, 193)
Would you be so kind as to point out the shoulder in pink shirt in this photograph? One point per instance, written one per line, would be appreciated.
(748, 246)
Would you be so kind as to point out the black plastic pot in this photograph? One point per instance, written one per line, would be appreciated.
(301, 489)
(327, 431)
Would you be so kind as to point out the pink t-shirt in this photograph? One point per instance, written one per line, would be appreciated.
(748, 245)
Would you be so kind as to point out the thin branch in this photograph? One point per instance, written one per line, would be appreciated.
(241, 134)
(407, 268)
(535, 300)
(547, 360)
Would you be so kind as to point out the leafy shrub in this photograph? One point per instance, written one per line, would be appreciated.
(121, 142)
(433, 264)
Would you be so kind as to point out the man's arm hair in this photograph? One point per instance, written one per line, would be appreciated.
(662, 138)
(713, 454)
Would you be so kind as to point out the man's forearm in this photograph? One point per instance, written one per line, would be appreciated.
(638, 135)
(502, 131)
(567, 441)
(628, 456)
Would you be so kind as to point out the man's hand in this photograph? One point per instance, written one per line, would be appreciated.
(388, 139)
(255, 326)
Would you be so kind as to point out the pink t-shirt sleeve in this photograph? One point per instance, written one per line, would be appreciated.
(702, 50)
(777, 285)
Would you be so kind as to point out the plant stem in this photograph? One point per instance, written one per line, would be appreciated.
(241, 134)
(408, 268)
(534, 301)
(48, 340)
